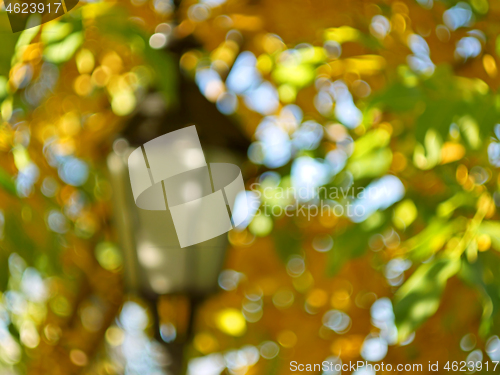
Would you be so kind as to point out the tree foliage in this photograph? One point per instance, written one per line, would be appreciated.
(342, 98)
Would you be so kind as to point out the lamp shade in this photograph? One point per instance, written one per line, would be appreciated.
(154, 260)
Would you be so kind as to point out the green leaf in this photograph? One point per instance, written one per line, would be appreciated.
(165, 72)
(64, 50)
(55, 31)
(27, 36)
(16, 239)
(427, 156)
(374, 164)
(483, 275)
(432, 238)
(405, 214)
(397, 97)
(3, 87)
(492, 229)
(350, 244)
(8, 44)
(419, 297)
(4, 269)
(372, 140)
(438, 115)
(445, 98)
(445, 209)
(470, 131)
(287, 241)
(6, 182)
(486, 112)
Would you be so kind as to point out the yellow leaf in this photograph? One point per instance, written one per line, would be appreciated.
(452, 152)
(231, 322)
(342, 34)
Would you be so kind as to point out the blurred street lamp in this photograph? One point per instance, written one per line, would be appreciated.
(154, 262)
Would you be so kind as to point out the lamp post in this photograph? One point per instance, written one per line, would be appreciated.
(155, 264)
